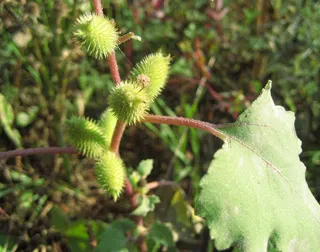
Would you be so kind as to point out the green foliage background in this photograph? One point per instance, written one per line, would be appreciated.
(46, 79)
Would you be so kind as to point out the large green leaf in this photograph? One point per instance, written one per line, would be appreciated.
(255, 196)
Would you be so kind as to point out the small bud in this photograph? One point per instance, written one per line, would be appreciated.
(111, 174)
(156, 67)
(86, 136)
(143, 80)
(96, 34)
(129, 102)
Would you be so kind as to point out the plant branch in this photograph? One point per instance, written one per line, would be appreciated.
(98, 7)
(156, 184)
(38, 151)
(116, 138)
(181, 121)
(112, 61)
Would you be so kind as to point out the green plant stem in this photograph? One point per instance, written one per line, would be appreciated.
(181, 121)
(38, 151)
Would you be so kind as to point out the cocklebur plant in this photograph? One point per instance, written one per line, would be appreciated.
(254, 196)
(129, 102)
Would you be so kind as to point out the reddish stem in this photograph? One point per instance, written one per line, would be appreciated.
(181, 121)
(112, 61)
(156, 184)
(128, 187)
(37, 151)
(98, 7)
(116, 138)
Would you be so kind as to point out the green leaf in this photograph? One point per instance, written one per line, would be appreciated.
(58, 219)
(25, 118)
(159, 234)
(134, 179)
(146, 205)
(145, 167)
(7, 243)
(124, 225)
(6, 120)
(76, 234)
(255, 191)
(112, 240)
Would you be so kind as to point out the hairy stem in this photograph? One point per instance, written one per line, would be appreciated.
(191, 123)
(38, 151)
(112, 61)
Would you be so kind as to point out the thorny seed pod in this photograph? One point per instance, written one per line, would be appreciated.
(129, 102)
(86, 136)
(96, 34)
(156, 67)
(111, 174)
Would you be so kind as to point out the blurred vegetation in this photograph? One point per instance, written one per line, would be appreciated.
(223, 54)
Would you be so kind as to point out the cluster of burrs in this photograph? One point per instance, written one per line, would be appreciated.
(129, 101)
